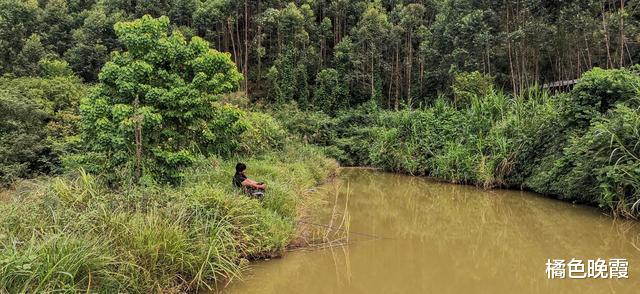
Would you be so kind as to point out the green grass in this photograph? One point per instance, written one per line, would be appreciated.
(73, 234)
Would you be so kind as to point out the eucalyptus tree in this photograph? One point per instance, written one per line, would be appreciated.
(370, 44)
(295, 60)
(417, 46)
(330, 94)
(209, 22)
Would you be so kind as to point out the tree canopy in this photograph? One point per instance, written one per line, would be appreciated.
(155, 105)
(281, 47)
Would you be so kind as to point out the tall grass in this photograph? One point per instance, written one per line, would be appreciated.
(581, 146)
(74, 234)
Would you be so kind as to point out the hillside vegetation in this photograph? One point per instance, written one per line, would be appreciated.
(582, 146)
(121, 121)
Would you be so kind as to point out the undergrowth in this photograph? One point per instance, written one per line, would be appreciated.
(73, 233)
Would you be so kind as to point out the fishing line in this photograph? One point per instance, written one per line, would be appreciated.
(348, 232)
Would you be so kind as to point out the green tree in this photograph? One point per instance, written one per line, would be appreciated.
(181, 11)
(155, 106)
(92, 43)
(28, 58)
(345, 65)
(468, 86)
(459, 40)
(296, 59)
(17, 22)
(22, 134)
(411, 20)
(369, 45)
(54, 67)
(330, 94)
(208, 20)
(597, 92)
(57, 26)
(39, 120)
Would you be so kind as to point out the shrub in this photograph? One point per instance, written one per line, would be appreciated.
(331, 93)
(262, 133)
(456, 163)
(470, 85)
(22, 138)
(597, 91)
(38, 125)
(314, 127)
(605, 162)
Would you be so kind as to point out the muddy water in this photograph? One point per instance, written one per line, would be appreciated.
(443, 238)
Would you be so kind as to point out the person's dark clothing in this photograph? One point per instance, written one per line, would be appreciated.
(238, 178)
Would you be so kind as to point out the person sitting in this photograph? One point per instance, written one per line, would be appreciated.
(250, 187)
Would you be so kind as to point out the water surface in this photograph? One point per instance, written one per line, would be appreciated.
(443, 238)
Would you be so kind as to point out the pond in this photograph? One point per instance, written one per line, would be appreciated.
(416, 235)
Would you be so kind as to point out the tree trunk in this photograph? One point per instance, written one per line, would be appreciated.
(621, 33)
(606, 38)
(336, 23)
(420, 92)
(239, 62)
(513, 79)
(586, 43)
(396, 104)
(246, 49)
(219, 45)
(259, 77)
(409, 65)
(390, 85)
(137, 174)
(372, 81)
(233, 43)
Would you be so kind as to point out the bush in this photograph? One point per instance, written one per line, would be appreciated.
(262, 133)
(471, 85)
(330, 94)
(314, 127)
(23, 148)
(597, 91)
(604, 163)
(38, 125)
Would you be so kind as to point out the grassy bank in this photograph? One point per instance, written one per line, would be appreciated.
(73, 233)
(581, 146)
(130, 190)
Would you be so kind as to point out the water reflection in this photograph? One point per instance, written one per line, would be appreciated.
(447, 238)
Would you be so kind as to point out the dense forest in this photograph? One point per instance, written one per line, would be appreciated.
(121, 121)
(331, 54)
